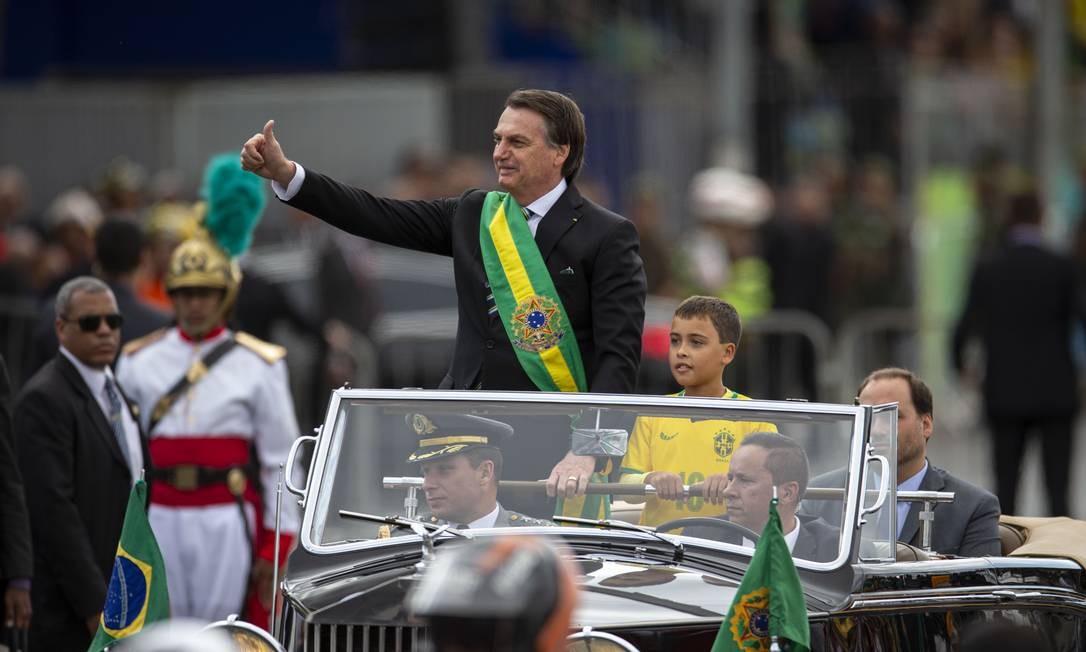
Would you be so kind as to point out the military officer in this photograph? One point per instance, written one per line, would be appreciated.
(461, 466)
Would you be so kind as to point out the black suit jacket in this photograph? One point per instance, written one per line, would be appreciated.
(16, 558)
(967, 527)
(77, 488)
(1022, 302)
(604, 296)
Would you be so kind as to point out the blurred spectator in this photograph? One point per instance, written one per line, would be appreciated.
(722, 257)
(119, 252)
(644, 206)
(71, 221)
(1024, 289)
(16, 558)
(799, 250)
(168, 224)
(873, 246)
(18, 245)
(123, 187)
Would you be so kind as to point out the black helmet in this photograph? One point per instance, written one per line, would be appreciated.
(503, 593)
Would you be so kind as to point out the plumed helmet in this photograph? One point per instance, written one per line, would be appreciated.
(516, 589)
(728, 196)
(234, 201)
(200, 263)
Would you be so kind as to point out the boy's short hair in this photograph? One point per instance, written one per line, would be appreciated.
(722, 314)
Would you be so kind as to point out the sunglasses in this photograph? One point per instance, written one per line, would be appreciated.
(90, 323)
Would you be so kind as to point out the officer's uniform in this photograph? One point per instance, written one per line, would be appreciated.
(444, 435)
(202, 444)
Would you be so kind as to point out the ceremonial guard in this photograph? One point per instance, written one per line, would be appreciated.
(218, 410)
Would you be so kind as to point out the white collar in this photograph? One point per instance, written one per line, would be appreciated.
(547, 201)
(94, 378)
(789, 538)
(487, 521)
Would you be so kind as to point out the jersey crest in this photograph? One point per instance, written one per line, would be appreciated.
(723, 444)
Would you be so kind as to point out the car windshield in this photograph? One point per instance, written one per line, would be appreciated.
(476, 460)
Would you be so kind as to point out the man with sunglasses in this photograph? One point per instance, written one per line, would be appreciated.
(80, 450)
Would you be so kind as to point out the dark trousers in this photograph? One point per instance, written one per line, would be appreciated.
(1009, 435)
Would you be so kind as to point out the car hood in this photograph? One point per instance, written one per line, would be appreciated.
(612, 593)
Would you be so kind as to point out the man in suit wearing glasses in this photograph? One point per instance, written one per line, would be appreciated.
(80, 450)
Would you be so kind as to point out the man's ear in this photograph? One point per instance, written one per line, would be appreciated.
(788, 492)
(927, 425)
(560, 155)
(486, 471)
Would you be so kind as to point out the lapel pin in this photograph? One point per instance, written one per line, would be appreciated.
(568, 271)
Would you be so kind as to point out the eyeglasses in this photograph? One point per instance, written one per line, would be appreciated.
(90, 323)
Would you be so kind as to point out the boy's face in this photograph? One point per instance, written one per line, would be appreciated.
(696, 356)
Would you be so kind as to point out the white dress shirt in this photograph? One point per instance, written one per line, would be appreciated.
(789, 538)
(486, 521)
(96, 382)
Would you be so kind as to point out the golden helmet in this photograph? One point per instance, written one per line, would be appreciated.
(200, 263)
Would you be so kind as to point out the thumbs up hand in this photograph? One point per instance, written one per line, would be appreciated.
(263, 156)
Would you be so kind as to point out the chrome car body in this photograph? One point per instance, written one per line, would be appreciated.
(346, 580)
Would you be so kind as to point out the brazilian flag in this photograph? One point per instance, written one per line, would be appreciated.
(137, 594)
(769, 604)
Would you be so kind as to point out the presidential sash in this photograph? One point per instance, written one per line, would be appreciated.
(527, 302)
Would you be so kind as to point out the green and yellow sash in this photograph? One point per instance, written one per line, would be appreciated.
(529, 306)
(533, 316)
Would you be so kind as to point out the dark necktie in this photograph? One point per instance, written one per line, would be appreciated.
(115, 418)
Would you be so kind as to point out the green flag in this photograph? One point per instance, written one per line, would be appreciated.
(137, 594)
(769, 601)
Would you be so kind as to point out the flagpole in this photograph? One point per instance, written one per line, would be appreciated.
(275, 558)
(774, 644)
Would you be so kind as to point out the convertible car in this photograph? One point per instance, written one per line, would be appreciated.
(660, 575)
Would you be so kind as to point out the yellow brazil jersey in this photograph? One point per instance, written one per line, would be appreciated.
(693, 449)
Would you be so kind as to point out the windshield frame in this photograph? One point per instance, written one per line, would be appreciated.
(327, 441)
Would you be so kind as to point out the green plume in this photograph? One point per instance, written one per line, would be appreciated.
(235, 202)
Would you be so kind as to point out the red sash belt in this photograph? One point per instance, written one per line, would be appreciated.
(211, 452)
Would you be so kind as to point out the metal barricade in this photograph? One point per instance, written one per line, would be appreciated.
(873, 339)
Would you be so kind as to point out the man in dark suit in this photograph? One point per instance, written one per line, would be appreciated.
(80, 450)
(765, 460)
(589, 254)
(1022, 303)
(967, 527)
(16, 559)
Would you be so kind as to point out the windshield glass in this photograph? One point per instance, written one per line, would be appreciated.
(478, 464)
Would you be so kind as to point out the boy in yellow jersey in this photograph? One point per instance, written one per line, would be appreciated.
(668, 452)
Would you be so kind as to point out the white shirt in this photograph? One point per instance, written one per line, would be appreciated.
(789, 538)
(909, 484)
(539, 207)
(96, 383)
(487, 521)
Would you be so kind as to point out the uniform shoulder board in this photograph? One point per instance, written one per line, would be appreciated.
(140, 343)
(517, 519)
(270, 353)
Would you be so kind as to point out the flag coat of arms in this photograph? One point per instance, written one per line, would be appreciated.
(137, 595)
(769, 601)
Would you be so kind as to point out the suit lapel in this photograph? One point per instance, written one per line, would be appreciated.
(805, 543)
(558, 220)
(932, 481)
(91, 407)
